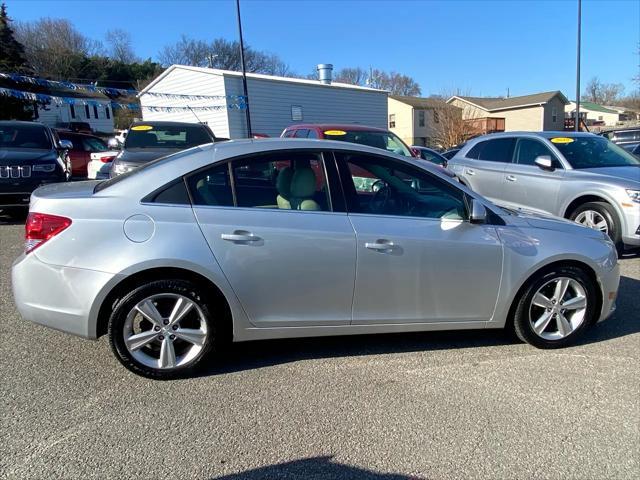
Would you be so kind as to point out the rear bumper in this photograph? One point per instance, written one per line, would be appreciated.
(63, 298)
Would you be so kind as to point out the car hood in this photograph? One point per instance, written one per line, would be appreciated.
(550, 222)
(11, 156)
(144, 155)
(623, 173)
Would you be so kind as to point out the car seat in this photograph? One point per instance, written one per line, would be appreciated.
(283, 185)
(303, 188)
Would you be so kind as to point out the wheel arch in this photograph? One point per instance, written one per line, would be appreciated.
(141, 277)
(587, 197)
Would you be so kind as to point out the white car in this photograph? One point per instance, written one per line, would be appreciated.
(100, 161)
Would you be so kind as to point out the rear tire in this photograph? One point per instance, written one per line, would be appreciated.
(592, 214)
(555, 307)
(163, 329)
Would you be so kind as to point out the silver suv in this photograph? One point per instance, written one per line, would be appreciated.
(580, 176)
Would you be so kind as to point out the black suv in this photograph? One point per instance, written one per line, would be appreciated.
(30, 155)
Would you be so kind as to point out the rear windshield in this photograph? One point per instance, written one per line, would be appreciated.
(593, 152)
(24, 136)
(174, 136)
(384, 140)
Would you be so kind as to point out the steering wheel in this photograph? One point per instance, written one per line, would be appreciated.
(381, 197)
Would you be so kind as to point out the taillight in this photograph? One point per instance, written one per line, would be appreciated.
(106, 159)
(40, 227)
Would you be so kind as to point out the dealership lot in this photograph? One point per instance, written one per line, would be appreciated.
(446, 405)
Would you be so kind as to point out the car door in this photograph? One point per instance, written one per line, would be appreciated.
(418, 259)
(528, 186)
(482, 167)
(271, 224)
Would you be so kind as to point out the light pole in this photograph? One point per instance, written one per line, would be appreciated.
(577, 119)
(244, 73)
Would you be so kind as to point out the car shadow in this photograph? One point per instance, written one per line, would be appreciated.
(260, 354)
(11, 219)
(312, 468)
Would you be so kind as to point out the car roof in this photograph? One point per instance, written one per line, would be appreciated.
(549, 134)
(21, 122)
(167, 124)
(337, 126)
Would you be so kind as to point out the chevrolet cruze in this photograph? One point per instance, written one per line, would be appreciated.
(248, 240)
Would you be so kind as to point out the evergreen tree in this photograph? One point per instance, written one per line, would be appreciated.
(12, 59)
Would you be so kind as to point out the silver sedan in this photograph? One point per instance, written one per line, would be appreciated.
(249, 240)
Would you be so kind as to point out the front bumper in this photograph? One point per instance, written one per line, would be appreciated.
(18, 193)
(63, 298)
(609, 284)
(632, 217)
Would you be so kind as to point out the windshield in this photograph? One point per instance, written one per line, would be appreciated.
(24, 136)
(169, 136)
(593, 152)
(384, 140)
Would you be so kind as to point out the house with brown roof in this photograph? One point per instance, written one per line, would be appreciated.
(537, 112)
(417, 120)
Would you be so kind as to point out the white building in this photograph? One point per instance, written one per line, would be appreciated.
(275, 102)
(592, 112)
(96, 112)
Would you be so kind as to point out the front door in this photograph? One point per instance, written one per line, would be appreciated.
(419, 259)
(528, 186)
(269, 222)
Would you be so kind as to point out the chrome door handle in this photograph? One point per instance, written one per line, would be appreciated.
(470, 171)
(512, 178)
(240, 236)
(380, 245)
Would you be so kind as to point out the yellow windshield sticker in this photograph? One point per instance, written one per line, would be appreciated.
(562, 140)
(142, 128)
(335, 132)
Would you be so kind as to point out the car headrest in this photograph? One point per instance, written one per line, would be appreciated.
(303, 183)
(283, 182)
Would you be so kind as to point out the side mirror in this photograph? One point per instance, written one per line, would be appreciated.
(544, 162)
(65, 145)
(478, 212)
(113, 144)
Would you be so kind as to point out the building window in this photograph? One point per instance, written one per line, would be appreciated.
(436, 117)
(95, 111)
(421, 118)
(72, 109)
(296, 113)
(107, 112)
(86, 112)
(392, 120)
(600, 117)
(554, 115)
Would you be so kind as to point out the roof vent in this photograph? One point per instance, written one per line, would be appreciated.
(325, 71)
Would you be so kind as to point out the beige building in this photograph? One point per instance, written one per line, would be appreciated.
(537, 112)
(417, 120)
(592, 113)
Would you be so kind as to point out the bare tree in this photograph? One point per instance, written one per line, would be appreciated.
(602, 93)
(395, 83)
(54, 46)
(119, 43)
(352, 76)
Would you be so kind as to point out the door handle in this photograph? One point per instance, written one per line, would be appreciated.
(470, 171)
(511, 178)
(240, 236)
(380, 245)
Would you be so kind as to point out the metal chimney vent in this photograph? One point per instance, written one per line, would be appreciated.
(325, 73)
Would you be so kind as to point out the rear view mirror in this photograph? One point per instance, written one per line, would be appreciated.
(478, 212)
(544, 162)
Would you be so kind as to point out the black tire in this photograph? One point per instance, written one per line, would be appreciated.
(521, 322)
(127, 303)
(611, 217)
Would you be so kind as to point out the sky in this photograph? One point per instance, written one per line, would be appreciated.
(475, 47)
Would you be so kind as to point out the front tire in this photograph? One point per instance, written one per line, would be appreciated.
(556, 307)
(600, 216)
(163, 329)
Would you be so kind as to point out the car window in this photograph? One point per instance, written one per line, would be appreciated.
(211, 187)
(527, 150)
(91, 144)
(432, 157)
(384, 140)
(301, 133)
(282, 180)
(167, 136)
(24, 136)
(312, 134)
(497, 150)
(379, 186)
(289, 133)
(593, 152)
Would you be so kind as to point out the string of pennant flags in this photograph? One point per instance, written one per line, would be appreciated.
(234, 101)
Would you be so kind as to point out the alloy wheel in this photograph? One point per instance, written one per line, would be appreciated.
(558, 308)
(593, 219)
(165, 331)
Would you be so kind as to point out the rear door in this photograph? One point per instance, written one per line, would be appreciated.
(528, 186)
(292, 262)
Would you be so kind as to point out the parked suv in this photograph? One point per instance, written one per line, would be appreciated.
(30, 155)
(627, 138)
(580, 176)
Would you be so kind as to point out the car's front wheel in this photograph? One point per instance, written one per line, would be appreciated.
(163, 329)
(600, 216)
(555, 307)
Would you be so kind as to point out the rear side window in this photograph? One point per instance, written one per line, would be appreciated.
(175, 193)
(212, 187)
(312, 134)
(302, 133)
(289, 133)
(497, 150)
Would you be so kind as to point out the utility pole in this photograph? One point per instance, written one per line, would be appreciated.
(577, 118)
(244, 73)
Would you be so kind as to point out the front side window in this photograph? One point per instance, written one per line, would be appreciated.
(593, 152)
(301, 133)
(94, 145)
(528, 150)
(375, 185)
(312, 134)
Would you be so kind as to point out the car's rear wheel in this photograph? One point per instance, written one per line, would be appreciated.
(600, 216)
(163, 329)
(555, 307)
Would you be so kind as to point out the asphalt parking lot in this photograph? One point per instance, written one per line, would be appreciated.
(446, 405)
